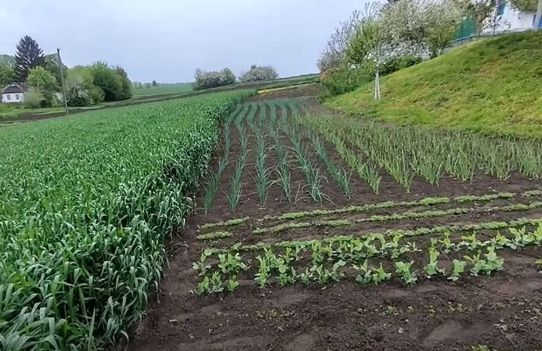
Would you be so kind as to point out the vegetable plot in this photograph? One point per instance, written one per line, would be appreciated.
(86, 205)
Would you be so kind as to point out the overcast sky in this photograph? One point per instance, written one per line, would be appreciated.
(167, 40)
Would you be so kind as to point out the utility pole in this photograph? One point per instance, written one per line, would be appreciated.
(538, 15)
(62, 80)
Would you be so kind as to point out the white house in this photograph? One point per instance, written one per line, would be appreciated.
(511, 19)
(12, 94)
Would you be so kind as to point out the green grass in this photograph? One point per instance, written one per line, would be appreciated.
(12, 111)
(86, 205)
(164, 89)
(491, 86)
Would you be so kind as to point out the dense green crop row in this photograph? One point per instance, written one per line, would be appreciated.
(85, 206)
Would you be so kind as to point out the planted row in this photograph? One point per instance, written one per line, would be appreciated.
(324, 262)
(405, 152)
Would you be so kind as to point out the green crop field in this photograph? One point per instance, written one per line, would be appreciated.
(183, 224)
(287, 156)
(162, 89)
(86, 205)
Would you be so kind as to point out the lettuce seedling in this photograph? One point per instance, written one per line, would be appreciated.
(407, 275)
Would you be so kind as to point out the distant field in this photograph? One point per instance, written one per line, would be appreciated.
(162, 89)
(151, 94)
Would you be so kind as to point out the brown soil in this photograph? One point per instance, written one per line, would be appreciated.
(503, 311)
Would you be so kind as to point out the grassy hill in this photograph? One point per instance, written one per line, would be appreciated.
(492, 86)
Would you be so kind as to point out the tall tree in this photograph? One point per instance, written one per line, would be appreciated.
(29, 55)
(52, 65)
(44, 82)
(6, 74)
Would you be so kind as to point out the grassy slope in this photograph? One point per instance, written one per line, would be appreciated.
(492, 86)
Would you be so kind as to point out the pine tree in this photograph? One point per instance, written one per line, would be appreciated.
(29, 55)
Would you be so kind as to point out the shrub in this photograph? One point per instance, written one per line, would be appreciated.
(342, 80)
(80, 88)
(213, 79)
(113, 82)
(126, 85)
(399, 62)
(259, 73)
(33, 98)
(44, 82)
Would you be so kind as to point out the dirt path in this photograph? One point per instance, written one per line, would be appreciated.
(503, 312)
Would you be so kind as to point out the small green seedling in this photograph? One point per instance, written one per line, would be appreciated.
(380, 275)
(446, 243)
(232, 284)
(404, 270)
(458, 269)
(287, 275)
(230, 263)
(262, 277)
(201, 266)
(500, 241)
(211, 285)
(365, 275)
(432, 268)
(493, 262)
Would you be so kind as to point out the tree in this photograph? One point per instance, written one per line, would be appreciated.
(8, 60)
(524, 5)
(126, 84)
(29, 55)
(107, 80)
(368, 42)
(334, 53)
(52, 65)
(405, 26)
(7, 74)
(442, 19)
(44, 82)
(154, 84)
(80, 88)
(213, 79)
(259, 73)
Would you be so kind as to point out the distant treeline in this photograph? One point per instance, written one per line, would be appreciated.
(213, 79)
(40, 76)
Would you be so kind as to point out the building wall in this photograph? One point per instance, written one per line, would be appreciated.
(12, 98)
(513, 20)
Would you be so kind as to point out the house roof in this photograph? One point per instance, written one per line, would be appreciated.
(12, 89)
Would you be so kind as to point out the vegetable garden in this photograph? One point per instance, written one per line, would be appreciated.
(306, 214)
(86, 206)
(288, 227)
